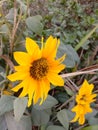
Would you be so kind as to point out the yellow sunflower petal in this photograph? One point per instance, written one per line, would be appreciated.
(75, 118)
(25, 87)
(81, 120)
(58, 68)
(22, 58)
(87, 108)
(55, 79)
(90, 87)
(88, 90)
(93, 96)
(61, 59)
(75, 109)
(17, 76)
(31, 46)
(45, 87)
(22, 68)
(50, 48)
(48, 42)
(31, 91)
(37, 93)
(17, 87)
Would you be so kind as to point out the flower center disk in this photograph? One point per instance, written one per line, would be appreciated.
(83, 98)
(39, 68)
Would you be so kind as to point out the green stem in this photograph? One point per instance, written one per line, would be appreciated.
(42, 127)
(84, 39)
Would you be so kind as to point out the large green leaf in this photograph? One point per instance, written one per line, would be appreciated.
(91, 117)
(23, 124)
(40, 117)
(34, 24)
(63, 118)
(93, 121)
(19, 107)
(48, 103)
(71, 56)
(55, 127)
(3, 125)
(62, 97)
(94, 127)
(6, 104)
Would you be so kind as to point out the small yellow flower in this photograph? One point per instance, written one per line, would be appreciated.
(37, 69)
(83, 99)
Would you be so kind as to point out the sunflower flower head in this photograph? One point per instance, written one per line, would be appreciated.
(83, 99)
(37, 69)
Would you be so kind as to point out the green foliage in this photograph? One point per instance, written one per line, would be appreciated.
(2, 123)
(72, 57)
(75, 22)
(63, 118)
(54, 127)
(85, 38)
(41, 113)
(40, 117)
(34, 24)
(95, 127)
(47, 104)
(19, 107)
(6, 104)
(62, 97)
(23, 124)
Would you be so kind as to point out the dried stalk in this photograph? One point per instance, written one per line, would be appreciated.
(79, 73)
(15, 27)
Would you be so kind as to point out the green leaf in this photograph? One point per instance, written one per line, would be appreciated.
(63, 118)
(34, 24)
(19, 107)
(2, 75)
(96, 115)
(84, 39)
(62, 97)
(93, 121)
(48, 103)
(6, 104)
(3, 125)
(94, 127)
(69, 91)
(4, 29)
(55, 127)
(91, 117)
(23, 124)
(23, 6)
(40, 117)
(10, 15)
(71, 56)
(70, 114)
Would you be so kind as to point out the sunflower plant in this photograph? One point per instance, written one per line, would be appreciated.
(48, 77)
(37, 69)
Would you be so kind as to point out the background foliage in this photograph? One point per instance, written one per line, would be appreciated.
(75, 22)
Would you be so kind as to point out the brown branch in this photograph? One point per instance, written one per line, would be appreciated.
(15, 26)
(9, 62)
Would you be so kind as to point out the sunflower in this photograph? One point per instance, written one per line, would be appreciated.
(38, 67)
(83, 99)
